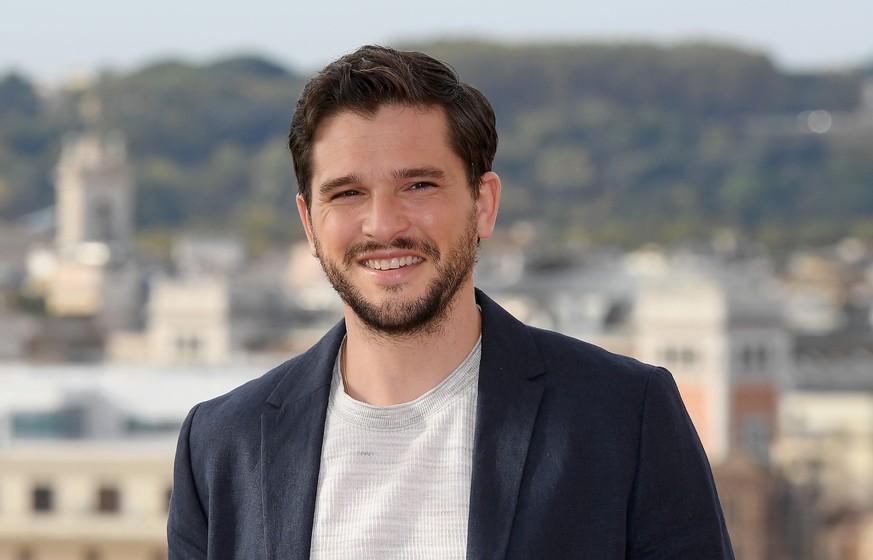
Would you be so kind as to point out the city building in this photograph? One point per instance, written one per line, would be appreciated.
(86, 455)
(92, 500)
(725, 342)
(88, 271)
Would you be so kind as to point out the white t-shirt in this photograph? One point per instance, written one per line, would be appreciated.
(394, 480)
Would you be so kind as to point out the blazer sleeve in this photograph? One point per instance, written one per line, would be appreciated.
(187, 522)
(674, 508)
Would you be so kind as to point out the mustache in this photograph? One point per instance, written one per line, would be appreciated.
(406, 243)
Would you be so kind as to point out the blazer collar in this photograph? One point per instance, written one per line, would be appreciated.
(291, 435)
(509, 398)
(292, 430)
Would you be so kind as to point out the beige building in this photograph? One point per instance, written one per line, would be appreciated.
(86, 455)
(85, 500)
(88, 273)
(827, 443)
(189, 321)
(94, 192)
(728, 350)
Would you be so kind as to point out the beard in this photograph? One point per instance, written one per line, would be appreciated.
(396, 316)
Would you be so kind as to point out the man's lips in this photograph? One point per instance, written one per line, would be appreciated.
(392, 263)
(396, 254)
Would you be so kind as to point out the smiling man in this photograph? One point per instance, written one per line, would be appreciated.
(429, 423)
(392, 218)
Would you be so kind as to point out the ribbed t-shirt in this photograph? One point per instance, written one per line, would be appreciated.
(394, 480)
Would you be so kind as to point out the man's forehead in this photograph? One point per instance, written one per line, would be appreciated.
(366, 115)
(411, 124)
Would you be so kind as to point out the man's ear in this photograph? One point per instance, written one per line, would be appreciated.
(306, 218)
(487, 203)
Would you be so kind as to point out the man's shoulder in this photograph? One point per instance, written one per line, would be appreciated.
(579, 369)
(294, 379)
(249, 398)
(563, 350)
(595, 386)
(566, 361)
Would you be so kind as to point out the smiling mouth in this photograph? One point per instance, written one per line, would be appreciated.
(389, 264)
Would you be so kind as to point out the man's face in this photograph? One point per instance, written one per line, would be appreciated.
(392, 218)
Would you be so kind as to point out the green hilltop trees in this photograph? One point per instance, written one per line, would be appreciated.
(611, 143)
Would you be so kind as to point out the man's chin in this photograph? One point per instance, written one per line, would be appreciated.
(390, 296)
(390, 310)
(398, 316)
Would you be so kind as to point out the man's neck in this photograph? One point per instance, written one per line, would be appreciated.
(382, 370)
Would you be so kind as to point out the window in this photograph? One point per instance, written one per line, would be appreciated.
(188, 347)
(754, 359)
(747, 358)
(43, 499)
(689, 356)
(761, 357)
(108, 499)
(679, 356)
(103, 230)
(755, 434)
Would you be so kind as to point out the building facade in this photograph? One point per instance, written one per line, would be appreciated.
(85, 501)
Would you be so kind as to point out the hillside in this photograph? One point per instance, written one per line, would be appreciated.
(606, 143)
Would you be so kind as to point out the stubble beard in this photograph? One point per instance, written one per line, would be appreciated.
(406, 317)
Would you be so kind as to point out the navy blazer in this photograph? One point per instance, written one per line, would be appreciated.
(578, 453)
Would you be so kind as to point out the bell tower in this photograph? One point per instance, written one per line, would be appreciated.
(91, 272)
(94, 190)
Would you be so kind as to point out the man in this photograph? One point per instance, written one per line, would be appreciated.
(430, 423)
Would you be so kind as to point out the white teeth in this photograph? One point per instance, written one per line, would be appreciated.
(386, 264)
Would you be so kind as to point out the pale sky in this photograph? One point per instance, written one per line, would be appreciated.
(49, 40)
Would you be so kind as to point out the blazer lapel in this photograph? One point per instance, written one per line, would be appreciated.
(292, 430)
(507, 408)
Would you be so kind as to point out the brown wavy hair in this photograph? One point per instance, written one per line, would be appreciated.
(373, 76)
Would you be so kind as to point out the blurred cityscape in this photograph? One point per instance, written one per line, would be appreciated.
(104, 350)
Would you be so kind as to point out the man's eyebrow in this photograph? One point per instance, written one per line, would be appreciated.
(333, 184)
(412, 172)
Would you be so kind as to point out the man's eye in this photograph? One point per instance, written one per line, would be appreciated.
(421, 185)
(346, 194)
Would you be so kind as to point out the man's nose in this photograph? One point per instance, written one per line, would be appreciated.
(385, 218)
